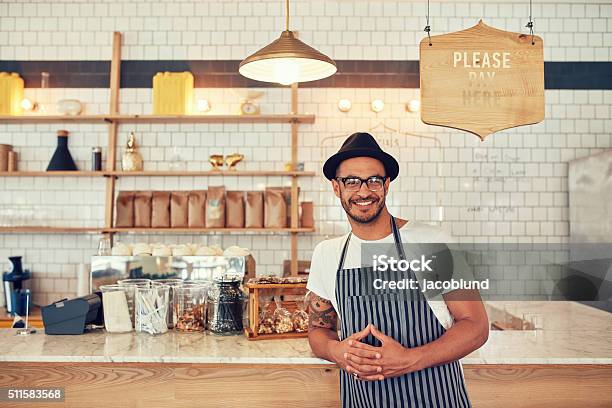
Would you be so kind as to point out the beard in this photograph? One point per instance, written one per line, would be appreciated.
(352, 209)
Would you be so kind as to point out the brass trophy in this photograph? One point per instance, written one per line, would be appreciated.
(217, 161)
(131, 160)
(231, 160)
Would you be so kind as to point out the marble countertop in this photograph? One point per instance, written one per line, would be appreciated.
(572, 334)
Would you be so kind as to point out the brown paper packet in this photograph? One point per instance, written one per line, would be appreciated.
(125, 209)
(275, 208)
(307, 216)
(142, 209)
(179, 209)
(197, 209)
(287, 196)
(215, 207)
(160, 209)
(234, 209)
(254, 212)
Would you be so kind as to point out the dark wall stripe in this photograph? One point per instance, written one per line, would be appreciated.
(224, 74)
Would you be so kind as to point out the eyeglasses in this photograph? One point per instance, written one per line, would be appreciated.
(353, 183)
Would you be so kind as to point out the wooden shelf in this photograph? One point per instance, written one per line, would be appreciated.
(50, 230)
(152, 173)
(199, 230)
(51, 173)
(288, 118)
(53, 119)
(209, 173)
(212, 118)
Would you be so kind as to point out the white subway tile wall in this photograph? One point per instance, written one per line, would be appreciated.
(510, 188)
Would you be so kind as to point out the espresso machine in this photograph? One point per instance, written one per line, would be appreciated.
(15, 296)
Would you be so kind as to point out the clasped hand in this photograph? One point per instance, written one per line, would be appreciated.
(371, 363)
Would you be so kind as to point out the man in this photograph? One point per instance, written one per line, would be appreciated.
(395, 349)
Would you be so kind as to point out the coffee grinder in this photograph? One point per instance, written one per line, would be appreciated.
(15, 296)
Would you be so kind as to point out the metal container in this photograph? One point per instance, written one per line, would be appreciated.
(106, 270)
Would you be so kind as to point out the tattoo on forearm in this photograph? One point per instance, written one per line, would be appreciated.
(322, 313)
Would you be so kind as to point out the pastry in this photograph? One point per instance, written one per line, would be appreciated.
(141, 248)
(161, 250)
(121, 249)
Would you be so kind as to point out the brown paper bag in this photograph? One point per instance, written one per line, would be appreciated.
(275, 209)
(234, 209)
(307, 216)
(142, 209)
(179, 209)
(215, 207)
(287, 196)
(197, 209)
(254, 212)
(125, 209)
(160, 209)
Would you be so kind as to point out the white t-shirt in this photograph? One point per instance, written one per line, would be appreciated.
(326, 257)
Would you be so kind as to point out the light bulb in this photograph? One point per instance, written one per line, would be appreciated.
(344, 105)
(377, 105)
(286, 71)
(28, 105)
(203, 105)
(413, 106)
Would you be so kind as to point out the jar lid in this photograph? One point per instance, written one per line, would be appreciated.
(96, 149)
(228, 279)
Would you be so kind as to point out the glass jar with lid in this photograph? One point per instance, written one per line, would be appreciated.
(189, 307)
(226, 306)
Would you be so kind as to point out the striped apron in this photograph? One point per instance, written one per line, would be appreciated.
(405, 316)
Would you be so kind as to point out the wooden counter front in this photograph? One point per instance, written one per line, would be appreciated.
(164, 385)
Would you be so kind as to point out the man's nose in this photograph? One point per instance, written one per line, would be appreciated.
(364, 190)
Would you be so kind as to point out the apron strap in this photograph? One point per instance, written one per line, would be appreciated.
(343, 254)
(396, 237)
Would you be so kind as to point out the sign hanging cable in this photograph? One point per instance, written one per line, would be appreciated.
(530, 23)
(427, 27)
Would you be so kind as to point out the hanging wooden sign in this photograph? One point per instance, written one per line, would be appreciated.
(482, 80)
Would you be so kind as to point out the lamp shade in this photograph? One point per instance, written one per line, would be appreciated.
(287, 60)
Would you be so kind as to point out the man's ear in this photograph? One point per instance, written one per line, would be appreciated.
(336, 187)
(387, 184)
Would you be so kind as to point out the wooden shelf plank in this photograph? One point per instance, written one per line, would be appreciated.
(152, 173)
(50, 230)
(275, 285)
(208, 173)
(53, 119)
(212, 118)
(199, 230)
(288, 118)
(51, 174)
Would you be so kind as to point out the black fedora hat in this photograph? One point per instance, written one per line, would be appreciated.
(360, 144)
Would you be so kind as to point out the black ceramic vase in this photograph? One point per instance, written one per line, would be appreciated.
(62, 159)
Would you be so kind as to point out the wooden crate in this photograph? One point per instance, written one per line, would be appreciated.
(256, 290)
